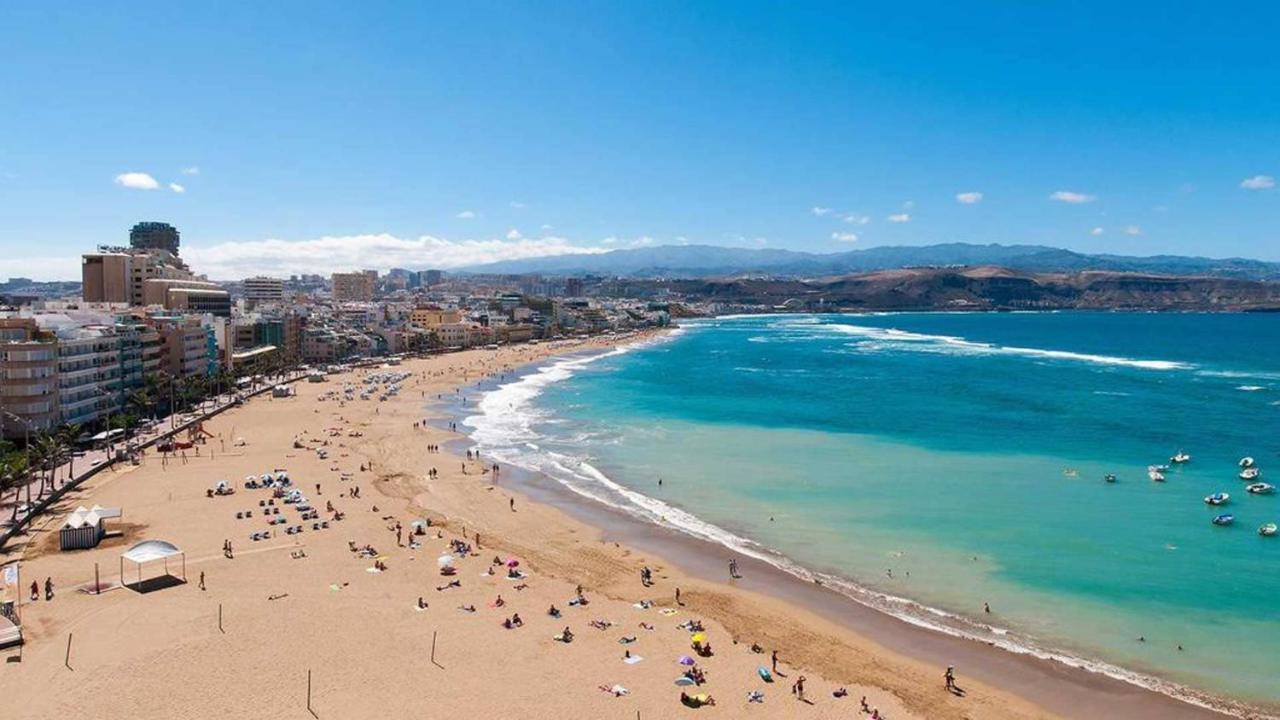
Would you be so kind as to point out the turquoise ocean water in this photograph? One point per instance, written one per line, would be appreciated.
(928, 463)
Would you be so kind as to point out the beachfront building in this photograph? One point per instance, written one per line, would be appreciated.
(185, 345)
(28, 377)
(254, 360)
(90, 372)
(430, 316)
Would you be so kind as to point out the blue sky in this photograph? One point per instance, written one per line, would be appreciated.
(313, 136)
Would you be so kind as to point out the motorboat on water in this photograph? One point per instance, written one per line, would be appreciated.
(1219, 498)
(1109, 477)
(1180, 458)
(1246, 462)
(1158, 468)
(1226, 519)
(1261, 488)
(1250, 473)
(1268, 529)
(1155, 475)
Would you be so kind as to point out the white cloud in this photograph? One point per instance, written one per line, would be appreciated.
(193, 170)
(820, 211)
(1132, 230)
(546, 226)
(514, 234)
(1096, 231)
(1258, 182)
(177, 188)
(466, 215)
(969, 198)
(617, 243)
(1073, 198)
(324, 255)
(517, 205)
(899, 218)
(856, 219)
(137, 181)
(844, 237)
(43, 269)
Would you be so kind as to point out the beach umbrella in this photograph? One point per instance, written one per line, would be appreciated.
(513, 563)
(686, 660)
(699, 637)
(445, 561)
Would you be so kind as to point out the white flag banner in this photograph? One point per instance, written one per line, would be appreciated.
(11, 574)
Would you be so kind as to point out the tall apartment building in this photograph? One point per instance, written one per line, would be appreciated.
(28, 377)
(91, 372)
(185, 345)
(355, 286)
(263, 289)
(154, 236)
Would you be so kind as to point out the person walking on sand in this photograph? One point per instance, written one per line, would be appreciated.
(950, 678)
(678, 597)
(513, 504)
(773, 661)
(35, 591)
(733, 569)
(202, 580)
(48, 589)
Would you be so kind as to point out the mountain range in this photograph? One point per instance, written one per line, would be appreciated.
(688, 261)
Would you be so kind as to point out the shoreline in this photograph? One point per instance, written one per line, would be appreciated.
(357, 627)
(1057, 681)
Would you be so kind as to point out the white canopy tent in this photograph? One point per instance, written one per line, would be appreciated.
(150, 551)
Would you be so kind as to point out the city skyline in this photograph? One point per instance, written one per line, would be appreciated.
(446, 137)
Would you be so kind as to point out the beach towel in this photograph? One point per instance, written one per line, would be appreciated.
(632, 660)
(668, 611)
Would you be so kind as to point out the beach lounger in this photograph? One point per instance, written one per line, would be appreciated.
(240, 516)
(315, 526)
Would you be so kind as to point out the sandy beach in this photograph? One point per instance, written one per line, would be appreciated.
(295, 606)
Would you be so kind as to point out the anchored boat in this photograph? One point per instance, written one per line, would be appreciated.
(1268, 530)
(1226, 519)
(1220, 498)
(1261, 488)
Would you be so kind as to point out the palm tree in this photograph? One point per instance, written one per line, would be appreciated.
(69, 434)
(46, 450)
(14, 473)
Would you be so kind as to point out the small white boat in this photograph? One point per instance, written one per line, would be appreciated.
(1220, 498)
(1250, 473)
(1246, 462)
(1268, 529)
(1158, 468)
(1261, 488)
(1226, 519)
(1109, 477)
(1180, 458)
(1155, 475)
